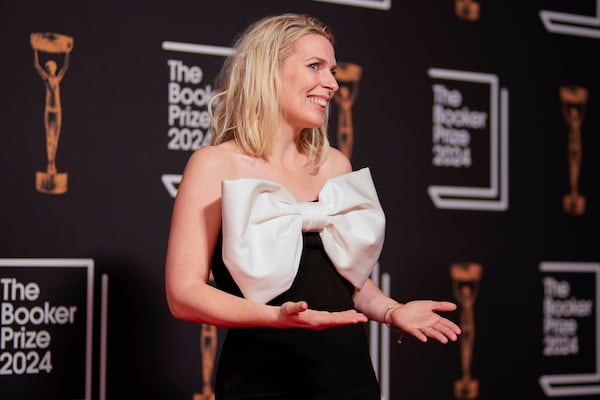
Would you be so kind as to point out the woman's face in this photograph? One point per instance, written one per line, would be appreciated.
(307, 82)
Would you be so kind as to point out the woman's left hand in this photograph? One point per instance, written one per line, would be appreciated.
(419, 318)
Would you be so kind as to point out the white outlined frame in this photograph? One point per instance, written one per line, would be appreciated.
(76, 263)
(495, 197)
(575, 384)
(572, 24)
(380, 5)
(171, 181)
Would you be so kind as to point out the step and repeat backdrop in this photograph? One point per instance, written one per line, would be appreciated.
(478, 119)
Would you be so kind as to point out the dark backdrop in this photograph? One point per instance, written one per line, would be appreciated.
(114, 146)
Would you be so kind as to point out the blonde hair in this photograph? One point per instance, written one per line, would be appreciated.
(245, 108)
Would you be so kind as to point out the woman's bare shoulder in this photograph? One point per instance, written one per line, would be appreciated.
(336, 164)
(212, 158)
(206, 168)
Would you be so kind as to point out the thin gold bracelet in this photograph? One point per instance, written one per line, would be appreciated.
(389, 309)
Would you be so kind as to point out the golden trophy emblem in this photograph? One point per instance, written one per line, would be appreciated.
(573, 104)
(466, 279)
(208, 350)
(208, 346)
(56, 48)
(348, 75)
(466, 9)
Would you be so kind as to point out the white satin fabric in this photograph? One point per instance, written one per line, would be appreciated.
(263, 225)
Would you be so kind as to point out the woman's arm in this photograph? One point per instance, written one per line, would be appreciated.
(418, 318)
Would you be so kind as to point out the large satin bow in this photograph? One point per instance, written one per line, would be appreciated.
(263, 225)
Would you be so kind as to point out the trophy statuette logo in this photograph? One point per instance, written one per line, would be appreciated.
(208, 347)
(466, 9)
(573, 105)
(466, 279)
(208, 352)
(56, 49)
(348, 75)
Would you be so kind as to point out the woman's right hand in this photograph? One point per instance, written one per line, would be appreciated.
(298, 315)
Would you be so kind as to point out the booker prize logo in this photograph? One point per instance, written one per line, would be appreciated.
(189, 89)
(46, 328)
(573, 104)
(571, 322)
(469, 141)
(466, 278)
(56, 49)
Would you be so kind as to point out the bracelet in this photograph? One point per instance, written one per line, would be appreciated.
(388, 310)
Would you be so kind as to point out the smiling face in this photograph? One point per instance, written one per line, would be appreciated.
(307, 82)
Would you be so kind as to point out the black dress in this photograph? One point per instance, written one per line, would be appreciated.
(270, 363)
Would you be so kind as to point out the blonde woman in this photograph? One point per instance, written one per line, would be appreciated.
(289, 231)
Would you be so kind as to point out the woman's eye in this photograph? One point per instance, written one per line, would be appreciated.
(314, 66)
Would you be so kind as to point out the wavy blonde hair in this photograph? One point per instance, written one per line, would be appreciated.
(245, 108)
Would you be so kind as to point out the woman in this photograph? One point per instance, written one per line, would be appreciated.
(288, 230)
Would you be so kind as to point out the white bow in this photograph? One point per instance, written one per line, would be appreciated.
(263, 225)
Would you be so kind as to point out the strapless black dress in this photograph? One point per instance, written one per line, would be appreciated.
(268, 363)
